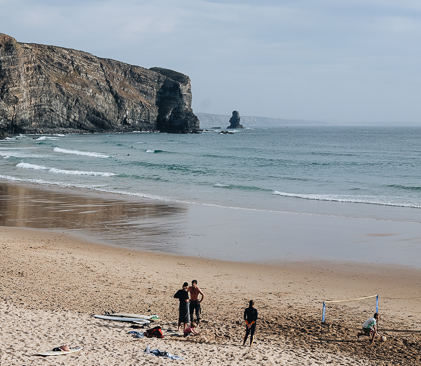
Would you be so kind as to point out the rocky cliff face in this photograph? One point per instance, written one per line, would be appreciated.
(46, 89)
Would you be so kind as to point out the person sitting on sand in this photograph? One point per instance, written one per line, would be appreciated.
(194, 300)
(370, 327)
(190, 330)
(64, 348)
(250, 316)
(184, 310)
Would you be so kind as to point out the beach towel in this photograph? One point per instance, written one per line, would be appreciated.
(136, 334)
(159, 353)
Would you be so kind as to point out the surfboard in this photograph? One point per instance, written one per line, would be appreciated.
(141, 322)
(141, 316)
(122, 319)
(59, 353)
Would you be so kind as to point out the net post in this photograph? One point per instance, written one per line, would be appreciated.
(377, 303)
(323, 320)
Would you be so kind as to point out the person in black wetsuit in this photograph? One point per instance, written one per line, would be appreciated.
(250, 316)
(184, 309)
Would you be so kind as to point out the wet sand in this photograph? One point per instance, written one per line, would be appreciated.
(217, 232)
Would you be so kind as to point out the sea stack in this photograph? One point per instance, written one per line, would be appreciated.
(235, 120)
(49, 89)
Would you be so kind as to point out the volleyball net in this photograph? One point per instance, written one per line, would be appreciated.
(340, 318)
(348, 300)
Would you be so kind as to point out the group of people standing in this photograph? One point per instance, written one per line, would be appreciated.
(189, 305)
(190, 298)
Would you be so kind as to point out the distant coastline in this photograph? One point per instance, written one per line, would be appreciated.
(220, 120)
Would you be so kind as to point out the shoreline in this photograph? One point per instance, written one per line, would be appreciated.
(212, 232)
(53, 282)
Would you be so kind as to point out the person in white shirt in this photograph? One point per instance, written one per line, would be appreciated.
(370, 327)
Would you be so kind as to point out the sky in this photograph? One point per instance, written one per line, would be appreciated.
(320, 60)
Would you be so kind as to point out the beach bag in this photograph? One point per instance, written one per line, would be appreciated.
(154, 332)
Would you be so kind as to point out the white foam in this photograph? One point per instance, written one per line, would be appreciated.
(18, 153)
(31, 166)
(80, 172)
(222, 185)
(345, 199)
(63, 171)
(150, 151)
(323, 197)
(77, 152)
(43, 138)
(50, 183)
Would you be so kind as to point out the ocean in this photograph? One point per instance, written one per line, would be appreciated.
(370, 173)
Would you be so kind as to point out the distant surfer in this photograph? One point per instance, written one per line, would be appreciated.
(250, 317)
(194, 301)
(183, 312)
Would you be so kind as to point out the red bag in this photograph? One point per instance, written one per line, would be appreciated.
(154, 332)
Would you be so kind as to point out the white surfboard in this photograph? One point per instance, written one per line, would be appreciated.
(59, 353)
(122, 319)
(141, 321)
(141, 316)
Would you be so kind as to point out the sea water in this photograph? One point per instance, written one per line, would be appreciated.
(357, 172)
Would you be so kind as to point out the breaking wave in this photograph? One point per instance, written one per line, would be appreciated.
(346, 199)
(63, 171)
(77, 152)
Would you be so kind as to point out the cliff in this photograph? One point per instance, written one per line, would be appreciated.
(48, 89)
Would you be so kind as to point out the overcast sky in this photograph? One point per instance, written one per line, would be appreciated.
(327, 60)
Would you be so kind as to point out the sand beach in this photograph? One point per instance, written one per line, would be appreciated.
(52, 283)
(66, 255)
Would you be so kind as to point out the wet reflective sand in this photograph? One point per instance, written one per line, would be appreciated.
(137, 224)
(213, 232)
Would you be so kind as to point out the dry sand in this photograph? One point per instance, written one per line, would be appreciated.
(52, 283)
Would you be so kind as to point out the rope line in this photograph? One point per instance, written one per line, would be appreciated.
(360, 298)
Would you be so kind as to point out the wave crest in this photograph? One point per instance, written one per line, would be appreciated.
(63, 171)
(152, 151)
(344, 199)
(77, 152)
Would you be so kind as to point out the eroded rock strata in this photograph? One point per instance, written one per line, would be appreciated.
(48, 89)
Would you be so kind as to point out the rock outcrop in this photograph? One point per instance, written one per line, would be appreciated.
(235, 120)
(48, 89)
